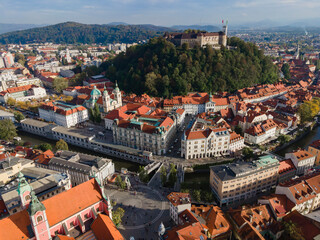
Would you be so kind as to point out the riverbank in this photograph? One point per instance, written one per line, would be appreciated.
(118, 163)
(302, 142)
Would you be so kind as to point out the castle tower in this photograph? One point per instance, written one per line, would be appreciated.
(117, 95)
(24, 191)
(106, 100)
(38, 217)
(225, 31)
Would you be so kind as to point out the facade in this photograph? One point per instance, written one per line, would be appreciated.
(36, 127)
(205, 143)
(314, 149)
(81, 167)
(63, 114)
(261, 133)
(202, 39)
(304, 192)
(302, 160)
(235, 182)
(58, 215)
(178, 203)
(6, 115)
(23, 93)
(236, 142)
(146, 132)
(6, 60)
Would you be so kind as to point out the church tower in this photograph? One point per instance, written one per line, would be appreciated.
(38, 217)
(24, 191)
(117, 95)
(106, 100)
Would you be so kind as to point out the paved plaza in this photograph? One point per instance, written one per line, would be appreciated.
(144, 210)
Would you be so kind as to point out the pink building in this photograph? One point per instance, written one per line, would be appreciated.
(67, 213)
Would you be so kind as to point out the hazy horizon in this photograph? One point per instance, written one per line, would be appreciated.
(158, 12)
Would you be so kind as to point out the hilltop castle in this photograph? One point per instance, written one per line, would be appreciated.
(214, 39)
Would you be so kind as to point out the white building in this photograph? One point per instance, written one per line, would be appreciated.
(302, 160)
(205, 143)
(23, 93)
(178, 203)
(261, 133)
(63, 114)
(236, 142)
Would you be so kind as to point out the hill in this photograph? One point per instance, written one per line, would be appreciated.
(208, 28)
(161, 69)
(72, 32)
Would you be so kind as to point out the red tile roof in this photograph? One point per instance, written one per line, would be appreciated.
(178, 198)
(104, 228)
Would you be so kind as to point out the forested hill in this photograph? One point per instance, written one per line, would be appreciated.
(72, 32)
(161, 69)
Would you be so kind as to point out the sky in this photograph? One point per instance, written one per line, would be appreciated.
(157, 12)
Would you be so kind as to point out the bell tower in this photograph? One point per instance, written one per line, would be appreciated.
(38, 217)
(24, 190)
(117, 95)
(106, 100)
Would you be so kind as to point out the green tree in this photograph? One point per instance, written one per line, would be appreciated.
(172, 174)
(45, 146)
(59, 84)
(286, 70)
(117, 216)
(121, 184)
(61, 145)
(247, 152)
(238, 130)
(284, 139)
(7, 130)
(291, 231)
(196, 194)
(163, 175)
(18, 116)
(20, 59)
(11, 101)
(143, 175)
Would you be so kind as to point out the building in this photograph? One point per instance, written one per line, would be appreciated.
(314, 149)
(251, 222)
(202, 39)
(81, 166)
(105, 101)
(233, 183)
(23, 93)
(45, 183)
(151, 133)
(304, 192)
(236, 142)
(63, 114)
(10, 167)
(287, 170)
(302, 160)
(205, 143)
(58, 215)
(178, 203)
(6, 60)
(6, 115)
(36, 127)
(261, 133)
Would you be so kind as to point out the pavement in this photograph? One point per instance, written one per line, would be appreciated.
(145, 208)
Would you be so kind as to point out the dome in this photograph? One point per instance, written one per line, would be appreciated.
(95, 92)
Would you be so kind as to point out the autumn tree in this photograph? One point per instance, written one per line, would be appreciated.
(7, 130)
(59, 84)
(61, 145)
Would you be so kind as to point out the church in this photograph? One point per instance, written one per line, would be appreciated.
(105, 101)
(66, 215)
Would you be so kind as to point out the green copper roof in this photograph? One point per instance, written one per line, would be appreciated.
(35, 205)
(116, 88)
(95, 92)
(23, 185)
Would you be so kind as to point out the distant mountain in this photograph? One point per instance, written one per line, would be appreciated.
(9, 27)
(208, 28)
(117, 23)
(72, 32)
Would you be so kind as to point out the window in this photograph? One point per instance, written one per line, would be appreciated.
(27, 198)
(39, 219)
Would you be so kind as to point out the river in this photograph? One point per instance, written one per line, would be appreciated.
(302, 143)
(118, 163)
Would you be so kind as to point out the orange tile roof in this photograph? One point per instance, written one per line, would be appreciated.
(286, 165)
(19, 89)
(280, 204)
(15, 226)
(63, 237)
(190, 232)
(72, 201)
(302, 155)
(104, 228)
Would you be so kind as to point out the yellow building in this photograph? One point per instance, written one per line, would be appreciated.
(314, 149)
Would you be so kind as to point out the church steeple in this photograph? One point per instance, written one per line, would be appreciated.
(24, 190)
(38, 217)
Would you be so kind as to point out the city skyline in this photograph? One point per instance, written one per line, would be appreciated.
(165, 13)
